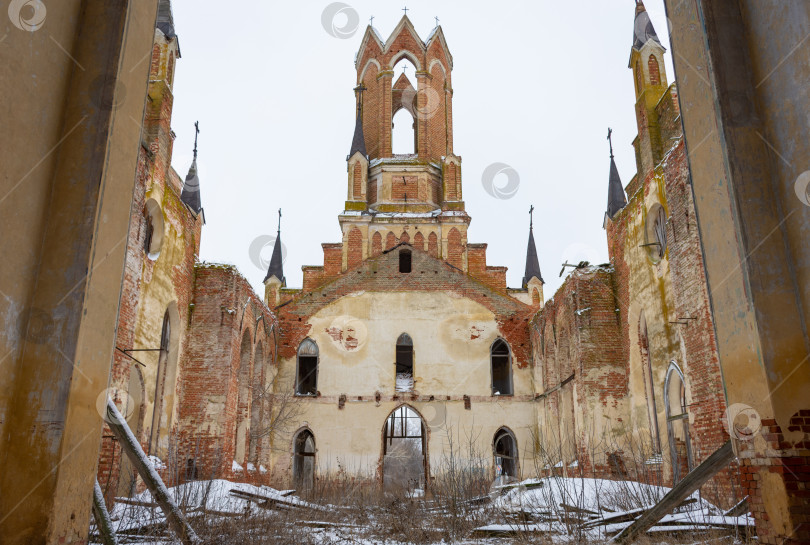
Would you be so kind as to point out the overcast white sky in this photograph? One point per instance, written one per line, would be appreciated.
(536, 85)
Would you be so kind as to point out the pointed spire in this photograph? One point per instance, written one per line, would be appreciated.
(616, 198)
(532, 263)
(359, 141)
(191, 188)
(276, 267)
(643, 30)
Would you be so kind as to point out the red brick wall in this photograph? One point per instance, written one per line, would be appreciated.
(226, 311)
(332, 259)
(355, 250)
(702, 366)
(404, 188)
(376, 244)
(433, 245)
(455, 251)
(357, 182)
(577, 333)
(419, 241)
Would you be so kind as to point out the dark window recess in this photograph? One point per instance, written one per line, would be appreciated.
(501, 369)
(404, 355)
(404, 261)
(660, 227)
(307, 380)
(150, 229)
(191, 469)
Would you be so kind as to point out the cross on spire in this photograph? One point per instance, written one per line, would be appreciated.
(405, 9)
(371, 21)
(196, 132)
(359, 90)
(279, 221)
(610, 141)
(437, 20)
(531, 217)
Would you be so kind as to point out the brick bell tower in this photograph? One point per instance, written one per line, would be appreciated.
(414, 198)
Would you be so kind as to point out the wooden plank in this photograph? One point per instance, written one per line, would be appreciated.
(276, 502)
(575, 509)
(694, 480)
(135, 502)
(739, 509)
(102, 516)
(177, 522)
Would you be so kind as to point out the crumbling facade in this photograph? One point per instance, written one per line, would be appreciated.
(405, 347)
(654, 402)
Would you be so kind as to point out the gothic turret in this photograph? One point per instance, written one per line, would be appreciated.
(532, 278)
(650, 78)
(393, 196)
(616, 198)
(191, 188)
(274, 280)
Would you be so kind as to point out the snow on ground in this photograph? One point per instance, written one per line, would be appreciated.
(583, 493)
(537, 499)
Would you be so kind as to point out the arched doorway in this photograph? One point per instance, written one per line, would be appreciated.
(506, 454)
(304, 460)
(404, 446)
(680, 449)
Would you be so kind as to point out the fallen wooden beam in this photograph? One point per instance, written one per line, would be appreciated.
(267, 501)
(694, 480)
(177, 522)
(135, 502)
(102, 516)
(739, 509)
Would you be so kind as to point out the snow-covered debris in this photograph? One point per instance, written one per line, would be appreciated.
(235, 467)
(156, 462)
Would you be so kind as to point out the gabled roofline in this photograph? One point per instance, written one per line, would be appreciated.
(439, 34)
(404, 23)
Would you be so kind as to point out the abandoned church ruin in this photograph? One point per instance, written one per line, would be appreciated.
(406, 348)
(406, 334)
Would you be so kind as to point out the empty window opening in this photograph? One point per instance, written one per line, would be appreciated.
(660, 228)
(404, 450)
(501, 368)
(306, 383)
(153, 229)
(404, 261)
(677, 422)
(304, 460)
(160, 383)
(649, 386)
(403, 133)
(506, 456)
(150, 229)
(243, 400)
(404, 363)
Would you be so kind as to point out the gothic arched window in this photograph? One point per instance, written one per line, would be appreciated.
(306, 383)
(304, 460)
(501, 361)
(506, 455)
(404, 362)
